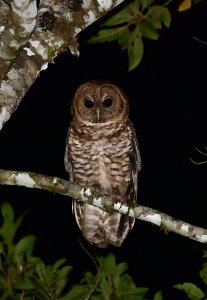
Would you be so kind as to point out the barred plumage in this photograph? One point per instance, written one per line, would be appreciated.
(102, 152)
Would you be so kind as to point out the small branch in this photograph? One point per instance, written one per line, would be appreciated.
(167, 3)
(199, 40)
(201, 152)
(94, 287)
(201, 162)
(105, 202)
(198, 163)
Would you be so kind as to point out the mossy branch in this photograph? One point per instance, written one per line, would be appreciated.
(105, 202)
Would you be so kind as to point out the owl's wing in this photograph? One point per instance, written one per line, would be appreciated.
(135, 159)
(68, 164)
(67, 161)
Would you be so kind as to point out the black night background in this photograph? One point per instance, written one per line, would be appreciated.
(168, 95)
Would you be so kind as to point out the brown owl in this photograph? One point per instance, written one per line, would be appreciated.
(102, 152)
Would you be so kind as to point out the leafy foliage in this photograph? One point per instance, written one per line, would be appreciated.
(23, 276)
(110, 282)
(139, 19)
(26, 277)
(158, 296)
(192, 291)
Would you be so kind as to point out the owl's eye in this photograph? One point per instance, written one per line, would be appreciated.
(88, 103)
(107, 102)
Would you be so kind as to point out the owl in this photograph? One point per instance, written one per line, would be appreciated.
(102, 153)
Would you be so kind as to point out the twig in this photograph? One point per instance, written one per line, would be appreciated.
(198, 163)
(98, 278)
(201, 162)
(89, 254)
(167, 3)
(201, 152)
(199, 40)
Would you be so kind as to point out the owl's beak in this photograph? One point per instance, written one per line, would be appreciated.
(98, 114)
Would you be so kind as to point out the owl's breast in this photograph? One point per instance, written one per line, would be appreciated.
(102, 159)
(102, 163)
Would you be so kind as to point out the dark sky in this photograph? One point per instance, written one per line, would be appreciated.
(167, 94)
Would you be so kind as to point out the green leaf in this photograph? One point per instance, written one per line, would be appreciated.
(59, 263)
(107, 35)
(135, 5)
(135, 50)
(141, 5)
(123, 39)
(60, 278)
(3, 282)
(40, 270)
(108, 264)
(146, 3)
(106, 289)
(25, 245)
(7, 213)
(148, 31)
(90, 278)
(158, 15)
(23, 249)
(1, 248)
(203, 273)
(18, 222)
(132, 292)
(193, 292)
(63, 273)
(119, 18)
(9, 227)
(116, 281)
(24, 284)
(166, 17)
(120, 268)
(127, 286)
(41, 290)
(158, 296)
(204, 254)
(76, 293)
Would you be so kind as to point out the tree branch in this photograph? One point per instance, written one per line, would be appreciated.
(20, 23)
(105, 202)
(58, 24)
(4, 13)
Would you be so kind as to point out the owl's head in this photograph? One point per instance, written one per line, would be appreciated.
(99, 102)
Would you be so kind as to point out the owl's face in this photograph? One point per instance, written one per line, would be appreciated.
(99, 102)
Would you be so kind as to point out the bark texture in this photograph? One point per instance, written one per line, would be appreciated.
(19, 23)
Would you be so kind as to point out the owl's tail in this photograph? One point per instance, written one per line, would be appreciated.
(101, 228)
